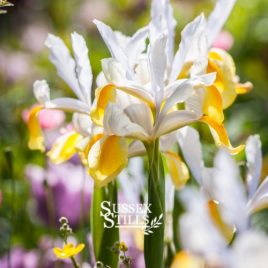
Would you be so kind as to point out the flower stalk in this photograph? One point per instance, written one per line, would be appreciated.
(154, 242)
(104, 238)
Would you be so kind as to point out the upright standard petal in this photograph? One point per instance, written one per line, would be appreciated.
(113, 45)
(136, 45)
(64, 63)
(107, 158)
(83, 67)
(188, 35)
(158, 61)
(217, 19)
(163, 21)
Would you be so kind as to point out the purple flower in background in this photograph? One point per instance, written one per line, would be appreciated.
(60, 190)
(19, 258)
(133, 238)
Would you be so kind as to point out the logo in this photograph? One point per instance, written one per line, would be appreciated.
(126, 215)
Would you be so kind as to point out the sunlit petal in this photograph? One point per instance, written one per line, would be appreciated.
(68, 104)
(65, 64)
(188, 35)
(190, 145)
(36, 141)
(83, 68)
(116, 122)
(177, 169)
(64, 147)
(226, 230)
(106, 159)
(220, 135)
(212, 106)
(175, 120)
(217, 18)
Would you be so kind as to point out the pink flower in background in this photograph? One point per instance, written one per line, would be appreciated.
(34, 36)
(92, 9)
(15, 66)
(224, 41)
(49, 119)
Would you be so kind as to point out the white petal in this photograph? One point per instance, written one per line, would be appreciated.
(65, 64)
(167, 141)
(101, 80)
(113, 45)
(83, 67)
(254, 163)
(197, 231)
(198, 55)
(68, 104)
(195, 102)
(188, 35)
(173, 121)
(158, 63)
(140, 114)
(136, 45)
(250, 250)
(41, 91)
(137, 91)
(82, 124)
(116, 122)
(113, 71)
(217, 18)
(136, 148)
(229, 191)
(190, 145)
(163, 21)
(181, 92)
(260, 198)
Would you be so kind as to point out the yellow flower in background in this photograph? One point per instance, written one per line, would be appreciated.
(68, 251)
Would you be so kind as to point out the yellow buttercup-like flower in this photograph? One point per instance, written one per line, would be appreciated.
(68, 251)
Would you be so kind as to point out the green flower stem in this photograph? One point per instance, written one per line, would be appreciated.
(154, 242)
(75, 264)
(104, 238)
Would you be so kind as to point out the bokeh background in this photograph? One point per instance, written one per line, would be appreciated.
(31, 188)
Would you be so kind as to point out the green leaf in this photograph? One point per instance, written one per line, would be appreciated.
(104, 238)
